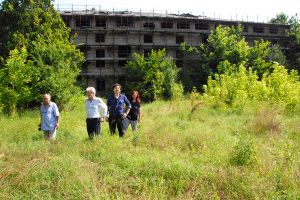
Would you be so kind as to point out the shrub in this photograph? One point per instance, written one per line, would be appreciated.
(235, 88)
(244, 152)
(194, 96)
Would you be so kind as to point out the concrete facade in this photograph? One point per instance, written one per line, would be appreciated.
(108, 38)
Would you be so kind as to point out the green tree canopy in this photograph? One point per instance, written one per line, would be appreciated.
(225, 44)
(293, 51)
(34, 34)
(226, 49)
(155, 76)
(281, 18)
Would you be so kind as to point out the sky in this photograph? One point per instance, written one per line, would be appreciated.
(256, 10)
(252, 10)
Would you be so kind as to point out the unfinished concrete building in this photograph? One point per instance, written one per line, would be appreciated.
(108, 37)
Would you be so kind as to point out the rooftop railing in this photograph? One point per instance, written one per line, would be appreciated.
(93, 9)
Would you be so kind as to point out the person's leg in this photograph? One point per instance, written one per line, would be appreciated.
(46, 135)
(98, 126)
(120, 125)
(52, 134)
(89, 128)
(134, 125)
(126, 122)
(112, 125)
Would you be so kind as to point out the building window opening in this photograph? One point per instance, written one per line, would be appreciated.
(122, 63)
(100, 22)
(100, 63)
(148, 39)
(167, 24)
(258, 29)
(100, 37)
(124, 22)
(201, 26)
(83, 22)
(183, 25)
(149, 25)
(179, 39)
(124, 51)
(100, 53)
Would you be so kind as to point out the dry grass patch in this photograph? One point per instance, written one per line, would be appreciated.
(266, 121)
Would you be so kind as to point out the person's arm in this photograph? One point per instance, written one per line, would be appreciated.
(128, 106)
(103, 107)
(108, 107)
(57, 122)
(41, 119)
(56, 116)
(139, 113)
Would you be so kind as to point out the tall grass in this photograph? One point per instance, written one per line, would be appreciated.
(176, 154)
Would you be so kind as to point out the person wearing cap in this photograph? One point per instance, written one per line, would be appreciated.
(49, 117)
(117, 112)
(93, 105)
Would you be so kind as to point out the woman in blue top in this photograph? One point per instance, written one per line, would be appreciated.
(117, 113)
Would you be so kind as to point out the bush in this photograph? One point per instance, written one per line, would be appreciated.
(236, 88)
(244, 152)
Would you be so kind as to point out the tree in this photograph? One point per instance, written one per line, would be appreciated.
(281, 18)
(276, 54)
(292, 53)
(258, 57)
(14, 80)
(194, 67)
(34, 34)
(155, 76)
(225, 44)
(226, 49)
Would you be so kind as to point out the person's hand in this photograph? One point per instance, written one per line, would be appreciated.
(102, 119)
(57, 125)
(124, 116)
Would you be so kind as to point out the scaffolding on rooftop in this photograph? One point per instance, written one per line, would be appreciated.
(94, 9)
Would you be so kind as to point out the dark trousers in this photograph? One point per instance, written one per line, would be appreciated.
(116, 122)
(93, 127)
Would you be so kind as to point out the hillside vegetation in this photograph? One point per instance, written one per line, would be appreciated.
(180, 152)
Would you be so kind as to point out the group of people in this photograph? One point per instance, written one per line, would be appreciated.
(119, 111)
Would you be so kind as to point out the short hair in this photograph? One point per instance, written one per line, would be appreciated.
(47, 94)
(91, 89)
(115, 85)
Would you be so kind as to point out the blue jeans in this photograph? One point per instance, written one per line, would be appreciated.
(133, 124)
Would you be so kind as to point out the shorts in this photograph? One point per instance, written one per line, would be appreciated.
(50, 135)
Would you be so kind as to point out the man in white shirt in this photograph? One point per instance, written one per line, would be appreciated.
(93, 105)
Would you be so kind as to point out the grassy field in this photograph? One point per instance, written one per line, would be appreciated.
(176, 154)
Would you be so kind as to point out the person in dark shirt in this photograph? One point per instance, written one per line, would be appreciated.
(117, 113)
(134, 116)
